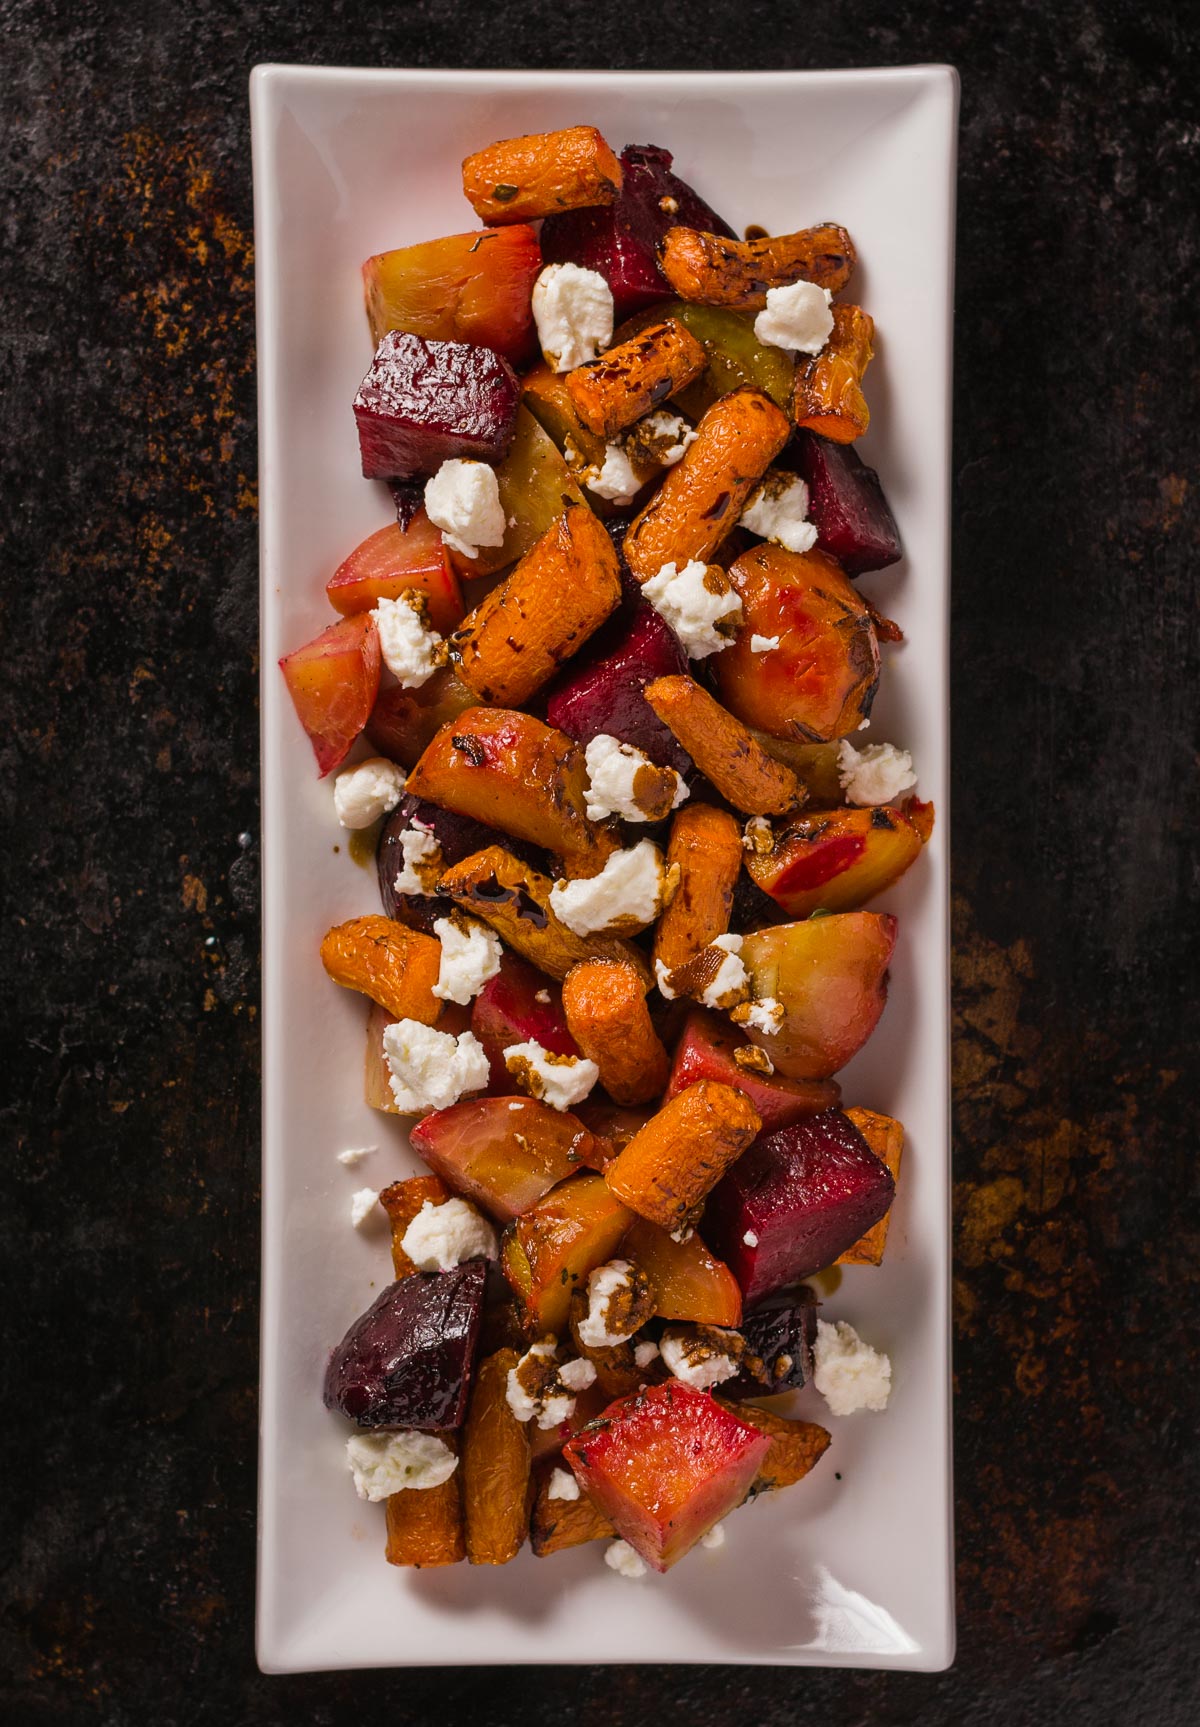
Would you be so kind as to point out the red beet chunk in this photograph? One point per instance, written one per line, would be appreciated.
(846, 505)
(604, 693)
(457, 837)
(407, 1362)
(621, 240)
(425, 402)
(705, 1051)
(507, 1011)
(781, 1333)
(803, 1195)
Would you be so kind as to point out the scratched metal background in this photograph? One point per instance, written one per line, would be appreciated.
(128, 728)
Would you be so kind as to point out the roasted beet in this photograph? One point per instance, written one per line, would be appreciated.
(407, 1362)
(457, 837)
(508, 1010)
(781, 1332)
(604, 692)
(706, 1050)
(802, 1196)
(620, 240)
(846, 504)
(425, 402)
(408, 497)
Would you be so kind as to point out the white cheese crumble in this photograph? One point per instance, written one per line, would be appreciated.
(612, 768)
(559, 1080)
(765, 1015)
(443, 1236)
(874, 775)
(732, 981)
(430, 1069)
(411, 651)
(758, 835)
(387, 1463)
(660, 425)
(848, 1373)
(471, 954)
(603, 1283)
(362, 1205)
(562, 1485)
(714, 1537)
(543, 995)
(692, 1360)
(778, 510)
(354, 1154)
(422, 860)
(797, 317)
(645, 1353)
(750, 1239)
(763, 644)
(628, 891)
(620, 1557)
(542, 1388)
(616, 479)
(366, 791)
(573, 311)
(463, 500)
(694, 601)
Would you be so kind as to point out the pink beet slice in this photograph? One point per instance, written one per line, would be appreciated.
(803, 1195)
(407, 1361)
(621, 240)
(846, 505)
(507, 1011)
(423, 403)
(605, 693)
(705, 1051)
(503, 1152)
(665, 1465)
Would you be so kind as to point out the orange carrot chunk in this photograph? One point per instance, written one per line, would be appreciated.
(612, 392)
(518, 179)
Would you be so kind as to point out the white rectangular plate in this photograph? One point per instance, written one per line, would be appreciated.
(855, 1567)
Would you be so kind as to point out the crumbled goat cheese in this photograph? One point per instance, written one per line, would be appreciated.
(613, 769)
(573, 311)
(778, 510)
(763, 644)
(698, 603)
(471, 954)
(848, 1373)
(619, 1303)
(387, 1463)
(750, 1239)
(627, 894)
(652, 434)
(543, 995)
(562, 1485)
(615, 479)
(463, 500)
(692, 1356)
(759, 836)
(422, 861)
(765, 1015)
(366, 791)
(620, 1557)
(362, 1205)
(443, 1236)
(645, 1353)
(559, 1080)
(543, 1388)
(430, 1069)
(662, 976)
(874, 775)
(411, 651)
(732, 980)
(714, 1537)
(797, 317)
(354, 1154)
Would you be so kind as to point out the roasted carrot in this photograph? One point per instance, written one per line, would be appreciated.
(666, 1170)
(494, 1466)
(706, 843)
(425, 1524)
(396, 966)
(612, 392)
(718, 272)
(885, 1136)
(555, 598)
(723, 749)
(795, 1445)
(605, 1005)
(521, 178)
(561, 1523)
(828, 394)
(403, 1201)
(515, 900)
(702, 496)
(544, 392)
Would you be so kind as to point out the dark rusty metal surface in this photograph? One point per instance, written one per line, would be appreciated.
(130, 859)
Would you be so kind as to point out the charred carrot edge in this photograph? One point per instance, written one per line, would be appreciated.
(605, 1005)
(517, 179)
(706, 843)
(425, 1525)
(635, 376)
(377, 1087)
(828, 396)
(723, 749)
(702, 496)
(515, 900)
(495, 1467)
(403, 1201)
(556, 597)
(885, 1136)
(561, 1523)
(796, 1446)
(682, 1152)
(396, 966)
(713, 271)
